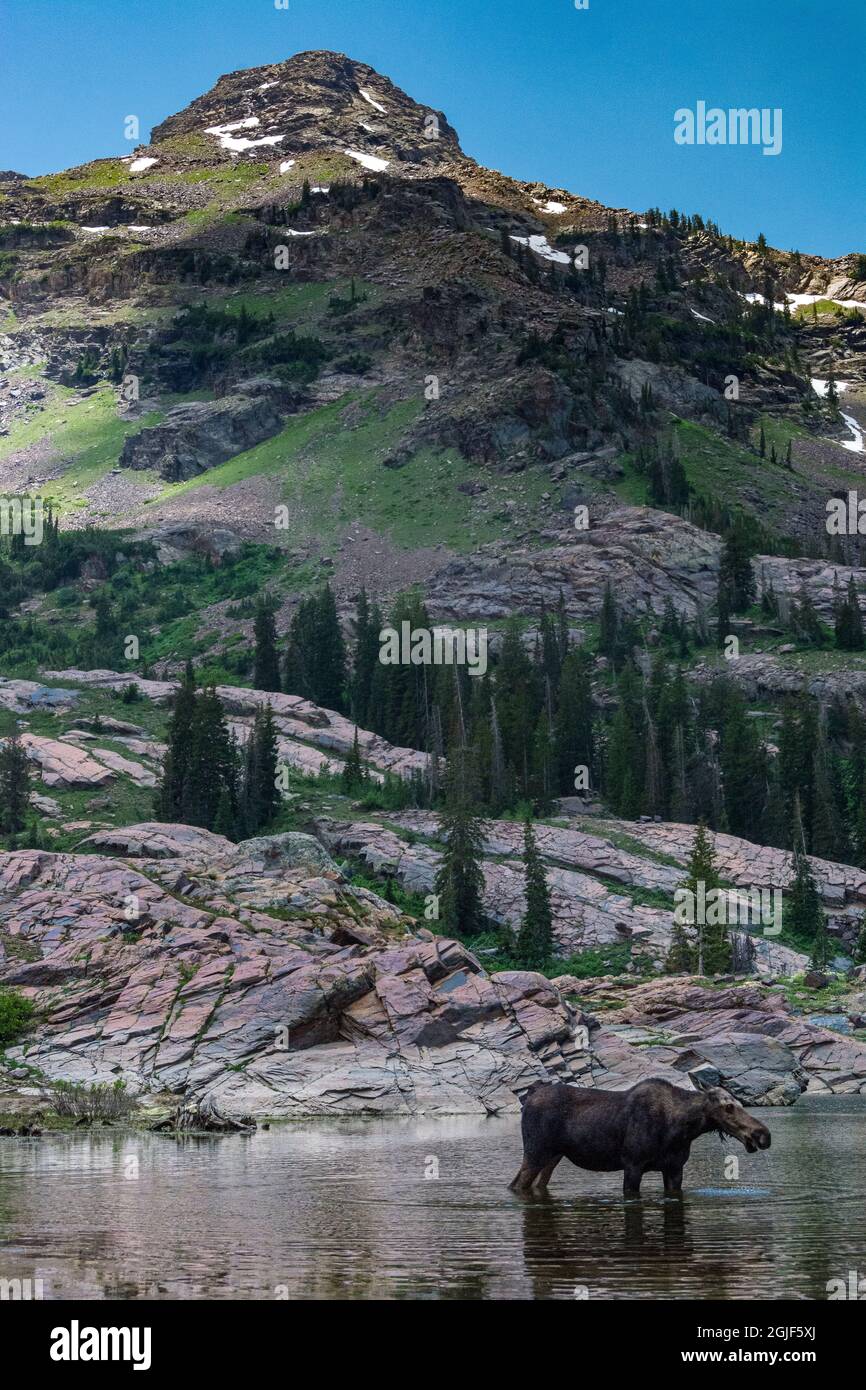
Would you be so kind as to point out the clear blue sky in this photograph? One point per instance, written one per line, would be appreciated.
(536, 88)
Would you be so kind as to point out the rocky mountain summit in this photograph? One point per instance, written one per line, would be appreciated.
(313, 101)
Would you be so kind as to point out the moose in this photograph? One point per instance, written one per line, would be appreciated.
(647, 1129)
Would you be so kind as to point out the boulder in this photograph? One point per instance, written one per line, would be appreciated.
(201, 434)
(64, 765)
(758, 1070)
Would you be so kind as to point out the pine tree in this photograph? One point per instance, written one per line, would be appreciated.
(680, 959)
(224, 821)
(624, 765)
(828, 837)
(608, 627)
(822, 947)
(848, 620)
(702, 878)
(804, 915)
(736, 579)
(14, 784)
(266, 664)
(518, 705)
(260, 796)
(574, 722)
(169, 797)
(743, 761)
(328, 666)
(460, 880)
(315, 663)
(534, 944)
(353, 776)
(365, 656)
(213, 763)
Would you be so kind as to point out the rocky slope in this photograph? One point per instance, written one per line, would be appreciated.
(450, 330)
(254, 978)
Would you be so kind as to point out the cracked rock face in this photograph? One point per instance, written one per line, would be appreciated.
(760, 1051)
(202, 434)
(254, 976)
(309, 737)
(586, 912)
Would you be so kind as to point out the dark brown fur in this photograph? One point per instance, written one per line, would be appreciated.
(649, 1129)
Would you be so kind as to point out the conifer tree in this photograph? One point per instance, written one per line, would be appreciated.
(260, 795)
(680, 959)
(713, 947)
(353, 776)
(365, 655)
(213, 763)
(608, 627)
(574, 721)
(14, 784)
(822, 947)
(848, 620)
(804, 915)
(624, 759)
(534, 945)
(266, 663)
(460, 880)
(170, 794)
(828, 837)
(743, 761)
(736, 579)
(518, 705)
(315, 663)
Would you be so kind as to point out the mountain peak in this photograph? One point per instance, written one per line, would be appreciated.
(315, 100)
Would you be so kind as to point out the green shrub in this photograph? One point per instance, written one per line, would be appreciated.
(102, 1101)
(15, 1014)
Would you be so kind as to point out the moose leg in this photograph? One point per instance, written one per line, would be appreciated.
(631, 1180)
(545, 1175)
(526, 1176)
(673, 1180)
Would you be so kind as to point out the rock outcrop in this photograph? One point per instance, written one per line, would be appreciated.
(201, 434)
(253, 979)
(746, 1033)
(310, 738)
(586, 912)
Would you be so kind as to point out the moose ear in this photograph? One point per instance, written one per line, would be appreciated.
(704, 1078)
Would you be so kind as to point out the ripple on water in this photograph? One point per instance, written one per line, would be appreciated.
(352, 1209)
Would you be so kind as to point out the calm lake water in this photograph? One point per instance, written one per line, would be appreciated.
(343, 1209)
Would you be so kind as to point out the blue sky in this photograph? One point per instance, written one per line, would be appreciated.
(583, 99)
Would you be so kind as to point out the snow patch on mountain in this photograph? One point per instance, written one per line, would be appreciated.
(821, 387)
(237, 143)
(541, 246)
(371, 100)
(855, 444)
(369, 161)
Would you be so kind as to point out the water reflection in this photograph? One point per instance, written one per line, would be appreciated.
(421, 1209)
